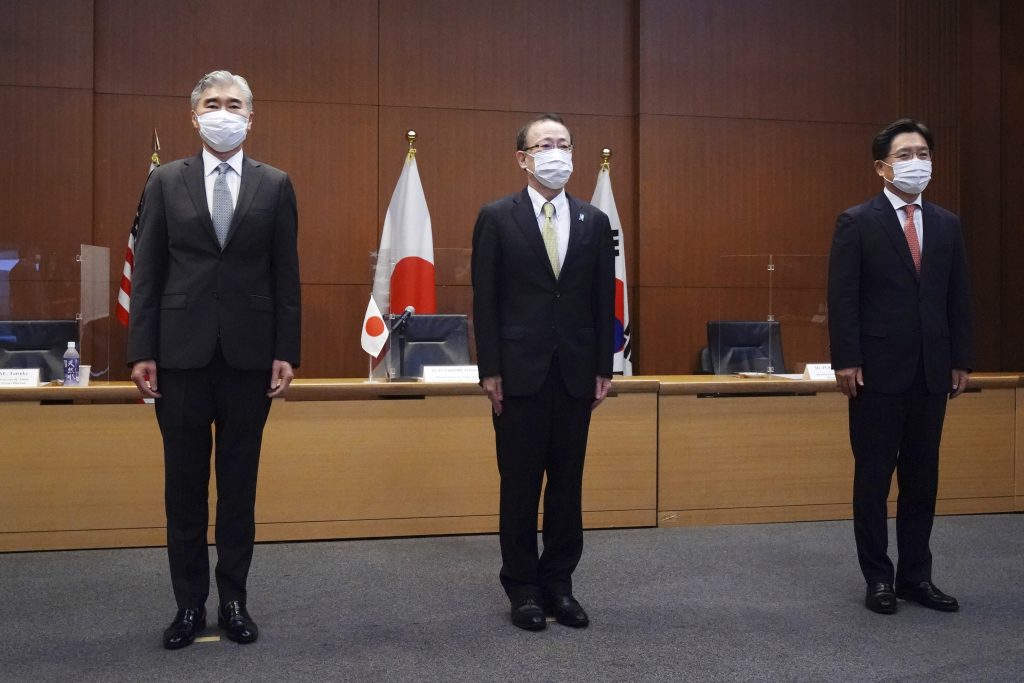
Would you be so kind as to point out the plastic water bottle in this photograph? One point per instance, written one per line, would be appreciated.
(71, 365)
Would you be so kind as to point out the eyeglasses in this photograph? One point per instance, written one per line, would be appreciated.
(907, 155)
(548, 146)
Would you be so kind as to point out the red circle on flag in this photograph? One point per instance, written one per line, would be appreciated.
(374, 326)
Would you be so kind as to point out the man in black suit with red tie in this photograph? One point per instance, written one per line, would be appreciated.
(215, 314)
(900, 332)
(543, 298)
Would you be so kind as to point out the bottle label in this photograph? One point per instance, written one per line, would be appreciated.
(70, 371)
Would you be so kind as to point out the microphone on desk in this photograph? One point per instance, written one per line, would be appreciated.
(402, 319)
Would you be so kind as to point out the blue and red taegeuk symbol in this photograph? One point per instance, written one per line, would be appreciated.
(620, 314)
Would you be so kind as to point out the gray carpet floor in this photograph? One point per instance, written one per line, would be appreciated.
(736, 603)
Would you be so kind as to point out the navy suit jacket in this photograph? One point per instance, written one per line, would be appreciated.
(187, 292)
(885, 317)
(523, 314)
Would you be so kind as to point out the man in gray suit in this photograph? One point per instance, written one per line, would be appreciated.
(215, 313)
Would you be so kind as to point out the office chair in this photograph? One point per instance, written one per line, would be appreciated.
(745, 346)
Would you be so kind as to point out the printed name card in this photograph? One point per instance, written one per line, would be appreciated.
(822, 371)
(19, 377)
(450, 373)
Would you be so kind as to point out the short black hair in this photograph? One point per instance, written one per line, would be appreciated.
(883, 141)
(521, 135)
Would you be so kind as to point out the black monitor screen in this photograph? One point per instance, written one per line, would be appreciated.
(430, 340)
(37, 344)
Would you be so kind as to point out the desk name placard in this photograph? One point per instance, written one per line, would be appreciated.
(450, 373)
(821, 371)
(19, 377)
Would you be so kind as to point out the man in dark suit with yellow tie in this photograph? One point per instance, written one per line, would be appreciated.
(215, 316)
(543, 298)
(900, 332)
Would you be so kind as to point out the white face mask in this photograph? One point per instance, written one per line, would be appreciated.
(911, 176)
(552, 168)
(223, 130)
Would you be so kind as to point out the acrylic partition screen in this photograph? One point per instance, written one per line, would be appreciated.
(453, 294)
(771, 315)
(50, 296)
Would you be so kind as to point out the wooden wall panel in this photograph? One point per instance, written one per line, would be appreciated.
(712, 187)
(980, 183)
(1012, 226)
(930, 89)
(46, 44)
(306, 51)
(574, 56)
(328, 151)
(46, 175)
(787, 59)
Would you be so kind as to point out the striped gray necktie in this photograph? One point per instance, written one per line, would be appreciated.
(222, 208)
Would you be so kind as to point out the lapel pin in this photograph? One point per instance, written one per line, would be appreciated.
(581, 217)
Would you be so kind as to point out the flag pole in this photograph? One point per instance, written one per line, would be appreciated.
(155, 159)
(606, 159)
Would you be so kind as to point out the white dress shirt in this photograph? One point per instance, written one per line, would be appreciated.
(234, 176)
(561, 218)
(900, 206)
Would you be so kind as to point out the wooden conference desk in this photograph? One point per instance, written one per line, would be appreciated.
(346, 458)
(750, 456)
(341, 459)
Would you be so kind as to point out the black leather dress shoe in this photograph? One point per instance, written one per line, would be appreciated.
(235, 620)
(567, 611)
(527, 614)
(925, 593)
(881, 598)
(186, 625)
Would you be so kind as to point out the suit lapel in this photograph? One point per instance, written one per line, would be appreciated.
(195, 183)
(932, 228)
(576, 226)
(522, 213)
(252, 176)
(890, 223)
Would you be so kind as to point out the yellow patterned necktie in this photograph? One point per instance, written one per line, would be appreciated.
(550, 237)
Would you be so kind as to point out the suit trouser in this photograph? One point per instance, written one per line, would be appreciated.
(901, 432)
(538, 434)
(234, 402)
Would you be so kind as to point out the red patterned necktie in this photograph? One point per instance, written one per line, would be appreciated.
(910, 230)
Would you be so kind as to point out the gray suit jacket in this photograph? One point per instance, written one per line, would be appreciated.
(187, 292)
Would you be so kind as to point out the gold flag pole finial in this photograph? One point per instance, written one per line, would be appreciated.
(606, 159)
(156, 148)
(410, 135)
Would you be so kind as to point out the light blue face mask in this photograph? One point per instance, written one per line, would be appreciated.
(911, 176)
(552, 167)
(222, 130)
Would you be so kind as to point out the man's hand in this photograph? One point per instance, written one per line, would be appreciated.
(492, 385)
(144, 376)
(960, 379)
(281, 376)
(848, 379)
(601, 387)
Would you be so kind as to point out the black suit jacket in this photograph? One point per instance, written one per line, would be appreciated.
(523, 315)
(882, 315)
(187, 292)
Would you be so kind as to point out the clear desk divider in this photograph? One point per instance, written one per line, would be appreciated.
(764, 299)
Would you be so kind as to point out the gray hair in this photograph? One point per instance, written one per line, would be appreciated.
(221, 78)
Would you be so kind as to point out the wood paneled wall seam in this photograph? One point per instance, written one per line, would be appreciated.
(738, 127)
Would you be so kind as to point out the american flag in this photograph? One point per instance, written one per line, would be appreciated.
(125, 294)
